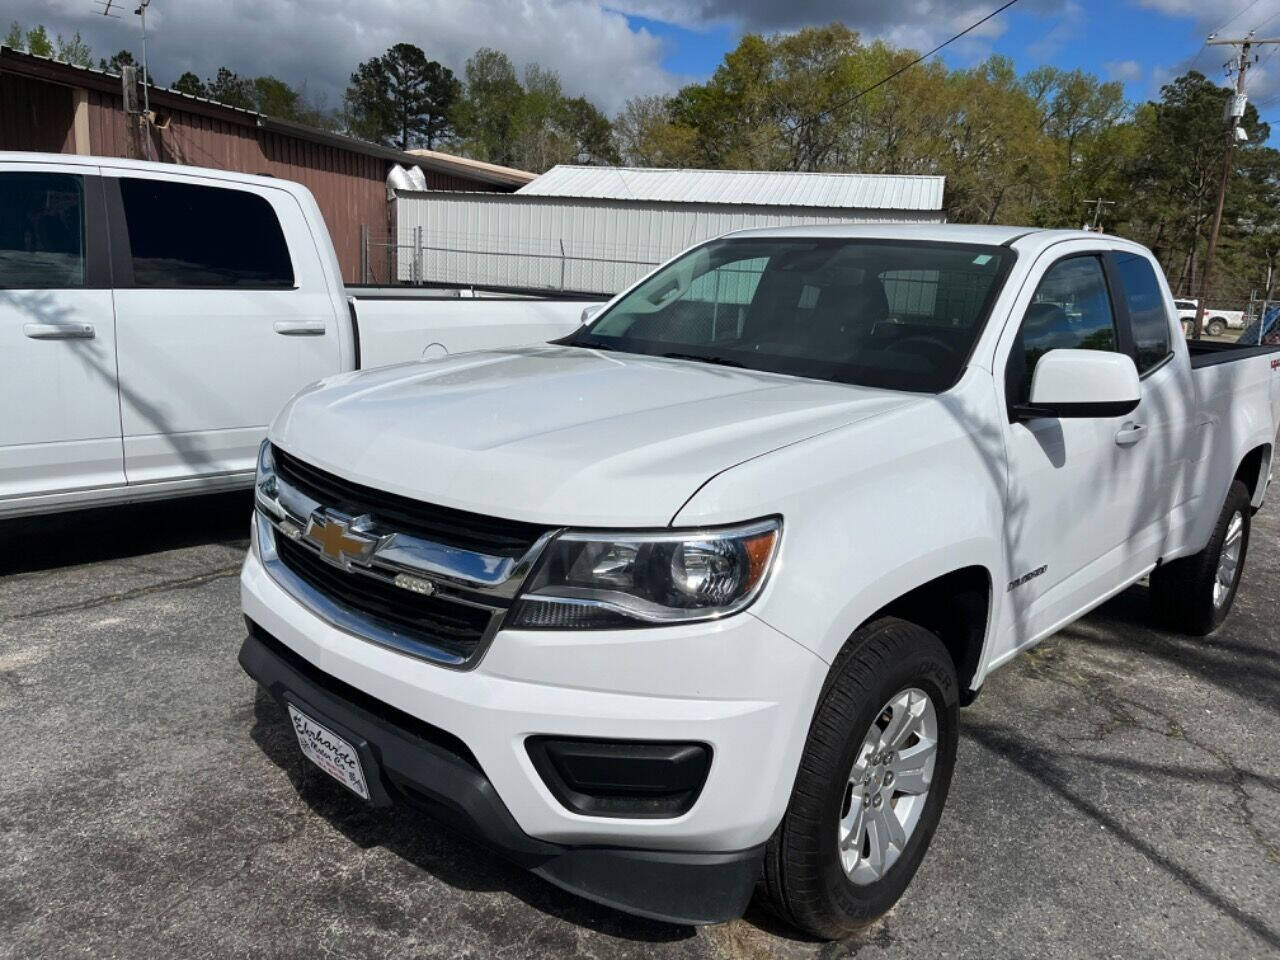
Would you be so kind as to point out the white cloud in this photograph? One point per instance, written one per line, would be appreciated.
(1232, 19)
(1174, 8)
(589, 42)
(1126, 71)
(319, 42)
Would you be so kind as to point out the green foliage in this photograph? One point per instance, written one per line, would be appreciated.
(488, 116)
(120, 60)
(532, 125)
(190, 84)
(37, 41)
(276, 98)
(232, 89)
(401, 99)
(74, 51)
(16, 38)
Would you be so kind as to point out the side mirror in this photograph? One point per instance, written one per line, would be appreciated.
(1082, 383)
(591, 311)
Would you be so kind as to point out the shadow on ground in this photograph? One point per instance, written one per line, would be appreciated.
(110, 533)
(447, 855)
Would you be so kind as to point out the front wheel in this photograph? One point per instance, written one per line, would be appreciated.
(1193, 595)
(872, 782)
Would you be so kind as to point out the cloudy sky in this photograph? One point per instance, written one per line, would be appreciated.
(614, 50)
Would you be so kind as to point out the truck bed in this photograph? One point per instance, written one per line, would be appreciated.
(1208, 353)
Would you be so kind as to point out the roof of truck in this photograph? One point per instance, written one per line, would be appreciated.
(1023, 238)
(169, 169)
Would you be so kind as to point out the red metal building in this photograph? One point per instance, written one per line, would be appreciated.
(55, 107)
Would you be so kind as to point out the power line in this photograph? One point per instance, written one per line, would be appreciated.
(901, 70)
(1237, 15)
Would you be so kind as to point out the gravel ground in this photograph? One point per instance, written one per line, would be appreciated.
(1118, 792)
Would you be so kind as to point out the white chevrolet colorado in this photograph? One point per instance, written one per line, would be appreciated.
(154, 318)
(689, 598)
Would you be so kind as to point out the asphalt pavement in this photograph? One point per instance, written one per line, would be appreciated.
(1117, 795)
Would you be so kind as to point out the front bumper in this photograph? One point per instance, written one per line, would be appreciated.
(738, 686)
(407, 763)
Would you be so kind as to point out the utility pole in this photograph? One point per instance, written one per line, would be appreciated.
(1097, 205)
(1234, 113)
(146, 77)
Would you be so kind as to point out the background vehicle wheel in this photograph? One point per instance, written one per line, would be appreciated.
(1216, 327)
(872, 782)
(1193, 595)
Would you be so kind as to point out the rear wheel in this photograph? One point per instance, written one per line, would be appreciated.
(871, 785)
(1193, 595)
(1216, 327)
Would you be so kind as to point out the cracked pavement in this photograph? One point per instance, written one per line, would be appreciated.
(1117, 795)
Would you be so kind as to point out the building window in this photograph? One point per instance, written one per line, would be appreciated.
(41, 231)
(185, 235)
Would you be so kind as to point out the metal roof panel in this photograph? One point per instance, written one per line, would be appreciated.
(861, 191)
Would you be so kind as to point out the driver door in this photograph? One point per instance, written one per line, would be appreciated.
(1070, 479)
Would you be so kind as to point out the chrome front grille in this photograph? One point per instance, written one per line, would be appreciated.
(427, 581)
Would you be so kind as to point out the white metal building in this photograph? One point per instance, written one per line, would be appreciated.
(598, 229)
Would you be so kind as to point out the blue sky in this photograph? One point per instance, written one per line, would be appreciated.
(1141, 45)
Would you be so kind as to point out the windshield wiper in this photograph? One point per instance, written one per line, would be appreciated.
(703, 358)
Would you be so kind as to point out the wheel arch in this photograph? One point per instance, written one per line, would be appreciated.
(957, 608)
(1253, 471)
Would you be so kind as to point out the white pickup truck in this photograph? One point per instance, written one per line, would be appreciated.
(689, 598)
(153, 319)
(1216, 321)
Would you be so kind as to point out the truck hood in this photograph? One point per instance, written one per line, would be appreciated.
(559, 435)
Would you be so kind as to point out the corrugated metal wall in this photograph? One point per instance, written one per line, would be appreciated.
(35, 116)
(588, 246)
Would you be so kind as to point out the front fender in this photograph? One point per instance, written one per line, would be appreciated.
(871, 511)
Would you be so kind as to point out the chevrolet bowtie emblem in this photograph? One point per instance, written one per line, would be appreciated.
(340, 539)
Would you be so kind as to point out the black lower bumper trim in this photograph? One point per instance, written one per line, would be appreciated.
(410, 761)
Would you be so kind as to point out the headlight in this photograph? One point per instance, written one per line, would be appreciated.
(590, 580)
(265, 489)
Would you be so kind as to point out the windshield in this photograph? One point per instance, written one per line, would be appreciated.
(897, 314)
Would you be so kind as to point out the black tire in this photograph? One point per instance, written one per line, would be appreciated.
(803, 879)
(1216, 327)
(1182, 590)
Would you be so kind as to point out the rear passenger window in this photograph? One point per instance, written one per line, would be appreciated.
(41, 230)
(185, 235)
(1070, 310)
(1146, 309)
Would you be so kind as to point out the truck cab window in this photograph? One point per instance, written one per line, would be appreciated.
(41, 231)
(188, 235)
(1070, 310)
(1147, 312)
(897, 315)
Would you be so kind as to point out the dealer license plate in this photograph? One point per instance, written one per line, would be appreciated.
(329, 752)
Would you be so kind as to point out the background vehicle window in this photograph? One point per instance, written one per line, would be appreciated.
(1147, 312)
(1070, 310)
(185, 235)
(41, 230)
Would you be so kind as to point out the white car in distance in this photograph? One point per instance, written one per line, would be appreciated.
(1216, 322)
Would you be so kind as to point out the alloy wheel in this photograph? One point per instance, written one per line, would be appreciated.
(888, 786)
